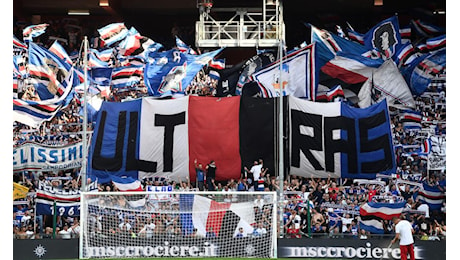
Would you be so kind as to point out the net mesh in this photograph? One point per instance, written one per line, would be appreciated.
(178, 224)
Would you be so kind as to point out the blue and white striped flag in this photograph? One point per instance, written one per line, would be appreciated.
(431, 195)
(297, 76)
(113, 33)
(32, 31)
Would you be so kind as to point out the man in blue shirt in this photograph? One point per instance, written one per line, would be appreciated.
(199, 175)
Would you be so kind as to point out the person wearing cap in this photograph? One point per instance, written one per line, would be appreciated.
(404, 233)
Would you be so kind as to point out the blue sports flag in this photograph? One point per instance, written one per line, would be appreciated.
(329, 44)
(372, 214)
(32, 31)
(432, 195)
(162, 63)
(184, 47)
(157, 72)
(57, 49)
(47, 72)
(126, 76)
(112, 33)
(425, 29)
(426, 70)
(384, 37)
(33, 113)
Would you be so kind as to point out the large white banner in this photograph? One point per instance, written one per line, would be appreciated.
(165, 121)
(37, 157)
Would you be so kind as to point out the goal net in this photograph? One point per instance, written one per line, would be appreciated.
(178, 224)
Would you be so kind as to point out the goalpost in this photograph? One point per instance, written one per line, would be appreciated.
(178, 224)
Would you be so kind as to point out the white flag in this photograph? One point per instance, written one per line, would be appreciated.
(386, 82)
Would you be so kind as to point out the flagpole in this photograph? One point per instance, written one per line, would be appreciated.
(280, 130)
(85, 115)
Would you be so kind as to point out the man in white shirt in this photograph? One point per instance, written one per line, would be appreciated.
(66, 232)
(148, 229)
(404, 232)
(256, 169)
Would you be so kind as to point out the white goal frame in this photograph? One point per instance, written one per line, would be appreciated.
(84, 214)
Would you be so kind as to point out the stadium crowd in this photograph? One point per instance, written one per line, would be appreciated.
(333, 202)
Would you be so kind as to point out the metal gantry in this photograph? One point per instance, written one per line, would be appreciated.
(246, 27)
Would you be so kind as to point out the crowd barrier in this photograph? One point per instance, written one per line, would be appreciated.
(345, 248)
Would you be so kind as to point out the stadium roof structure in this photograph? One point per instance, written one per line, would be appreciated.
(157, 17)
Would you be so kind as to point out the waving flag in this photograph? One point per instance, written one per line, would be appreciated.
(243, 73)
(32, 31)
(95, 62)
(436, 43)
(113, 33)
(184, 47)
(17, 44)
(406, 34)
(224, 218)
(332, 95)
(410, 116)
(172, 82)
(57, 49)
(372, 213)
(19, 66)
(297, 76)
(405, 54)
(47, 72)
(19, 191)
(33, 113)
(425, 29)
(181, 45)
(382, 210)
(431, 195)
(100, 76)
(136, 45)
(164, 62)
(411, 120)
(126, 76)
(374, 226)
(350, 70)
(218, 64)
(355, 36)
(426, 146)
(329, 44)
(384, 37)
(103, 55)
(386, 83)
(430, 67)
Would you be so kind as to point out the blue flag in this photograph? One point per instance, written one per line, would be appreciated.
(384, 37)
(426, 70)
(48, 72)
(157, 72)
